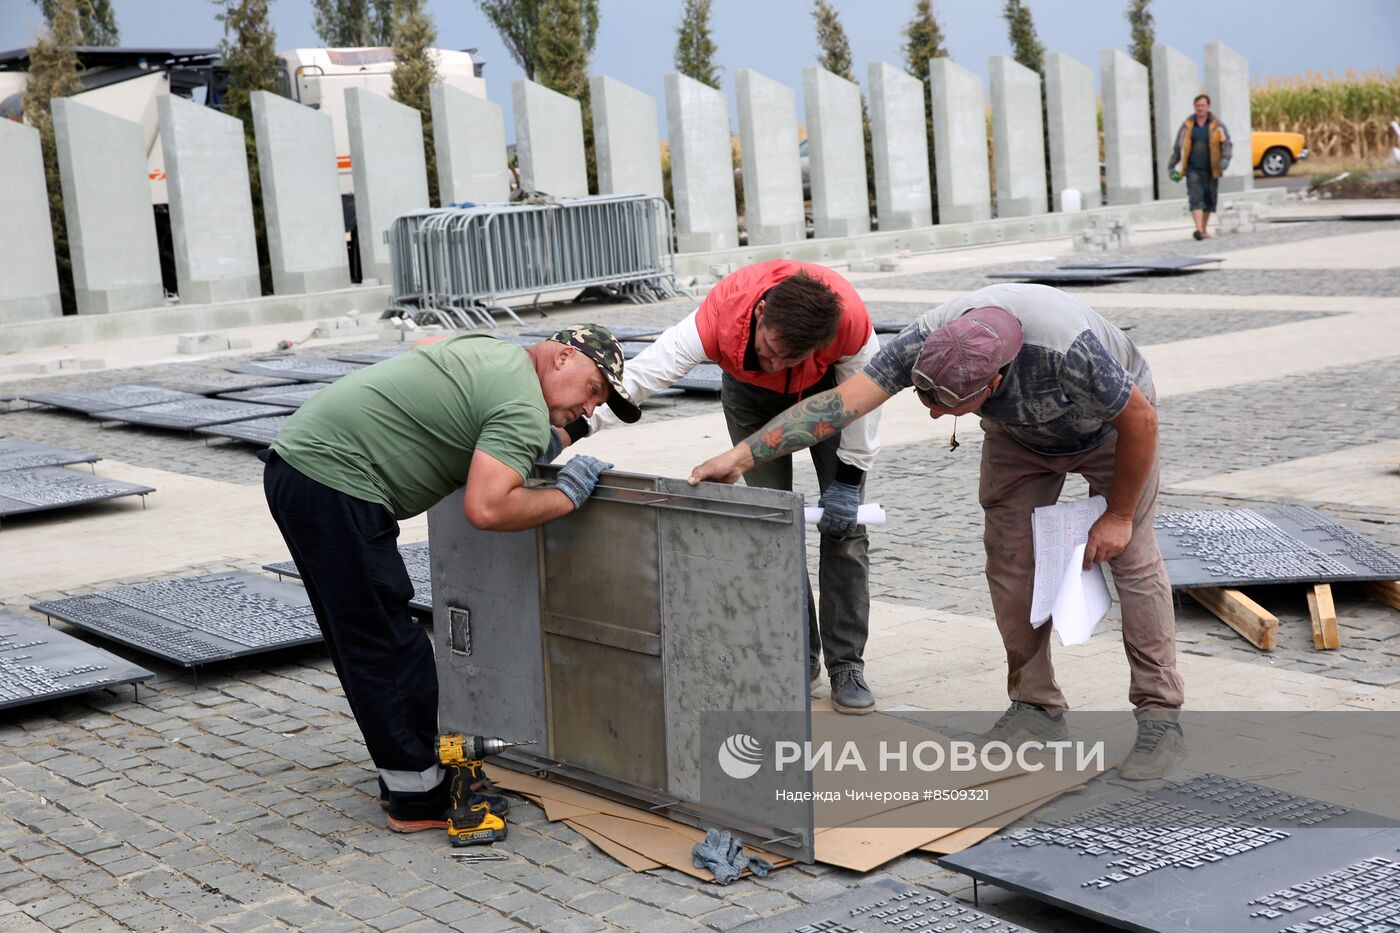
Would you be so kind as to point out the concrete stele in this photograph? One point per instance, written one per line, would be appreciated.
(626, 139)
(107, 203)
(549, 140)
(211, 205)
(702, 166)
(469, 134)
(959, 143)
(28, 272)
(1127, 133)
(1227, 83)
(301, 196)
(1018, 138)
(835, 154)
(903, 195)
(390, 171)
(772, 171)
(1074, 132)
(1175, 81)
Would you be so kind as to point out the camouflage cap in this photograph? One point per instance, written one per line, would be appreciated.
(597, 343)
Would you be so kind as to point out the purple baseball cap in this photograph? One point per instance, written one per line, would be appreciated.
(959, 359)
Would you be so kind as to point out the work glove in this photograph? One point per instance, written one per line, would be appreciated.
(578, 477)
(839, 504)
(553, 449)
(722, 854)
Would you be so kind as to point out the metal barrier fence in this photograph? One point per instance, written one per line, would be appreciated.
(455, 266)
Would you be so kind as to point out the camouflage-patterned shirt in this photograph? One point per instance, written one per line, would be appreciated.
(1073, 376)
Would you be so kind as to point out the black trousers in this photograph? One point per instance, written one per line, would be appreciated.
(347, 552)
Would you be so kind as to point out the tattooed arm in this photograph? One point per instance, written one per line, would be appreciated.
(809, 422)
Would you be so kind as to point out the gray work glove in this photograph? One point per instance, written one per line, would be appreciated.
(554, 448)
(578, 477)
(722, 854)
(839, 504)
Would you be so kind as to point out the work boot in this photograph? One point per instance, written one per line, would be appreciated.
(1158, 752)
(1026, 722)
(814, 672)
(414, 813)
(849, 693)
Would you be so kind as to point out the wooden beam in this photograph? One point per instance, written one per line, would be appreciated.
(1387, 591)
(1244, 615)
(1324, 617)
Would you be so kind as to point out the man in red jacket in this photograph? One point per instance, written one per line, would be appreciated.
(782, 331)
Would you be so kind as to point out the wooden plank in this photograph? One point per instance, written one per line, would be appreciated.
(1258, 626)
(1324, 617)
(1386, 591)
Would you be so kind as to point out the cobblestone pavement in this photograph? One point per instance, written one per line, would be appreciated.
(245, 800)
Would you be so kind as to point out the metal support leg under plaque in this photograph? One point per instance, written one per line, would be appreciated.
(629, 640)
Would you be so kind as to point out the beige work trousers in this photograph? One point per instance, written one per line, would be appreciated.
(1014, 482)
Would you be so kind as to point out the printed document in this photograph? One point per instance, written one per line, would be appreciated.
(1076, 599)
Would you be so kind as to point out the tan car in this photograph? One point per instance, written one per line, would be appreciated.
(1275, 153)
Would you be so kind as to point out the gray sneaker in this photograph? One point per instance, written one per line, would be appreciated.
(1159, 751)
(1026, 722)
(849, 693)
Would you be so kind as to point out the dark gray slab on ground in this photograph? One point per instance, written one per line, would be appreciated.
(44, 488)
(1082, 276)
(293, 396)
(1201, 855)
(884, 905)
(302, 369)
(890, 327)
(1311, 218)
(18, 454)
(198, 412)
(195, 620)
(40, 663)
(109, 398)
(415, 559)
(370, 357)
(620, 331)
(260, 431)
(208, 382)
(707, 378)
(1153, 264)
(1248, 547)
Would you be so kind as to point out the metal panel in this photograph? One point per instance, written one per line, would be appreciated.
(302, 369)
(888, 905)
(109, 398)
(415, 560)
(370, 357)
(260, 431)
(40, 663)
(44, 488)
(187, 415)
(195, 620)
(1083, 276)
(16, 454)
(707, 378)
(1155, 264)
(293, 396)
(213, 383)
(620, 331)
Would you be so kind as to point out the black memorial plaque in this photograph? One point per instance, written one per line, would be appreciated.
(199, 412)
(1083, 276)
(216, 382)
(890, 327)
(302, 369)
(1159, 264)
(1209, 854)
(415, 559)
(884, 905)
(620, 331)
(40, 663)
(16, 454)
(260, 431)
(1248, 547)
(196, 620)
(1316, 218)
(43, 488)
(370, 357)
(109, 398)
(707, 378)
(293, 396)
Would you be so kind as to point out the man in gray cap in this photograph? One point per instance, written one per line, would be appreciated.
(1059, 390)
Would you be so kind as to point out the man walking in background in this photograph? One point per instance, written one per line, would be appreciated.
(1201, 153)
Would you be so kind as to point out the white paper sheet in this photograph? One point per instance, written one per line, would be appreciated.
(1060, 533)
(868, 514)
(1081, 603)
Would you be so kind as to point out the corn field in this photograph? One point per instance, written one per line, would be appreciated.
(1346, 117)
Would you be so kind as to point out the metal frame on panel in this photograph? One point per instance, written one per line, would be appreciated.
(617, 637)
(38, 663)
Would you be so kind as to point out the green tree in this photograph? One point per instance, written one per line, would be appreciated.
(97, 21)
(53, 73)
(249, 52)
(923, 40)
(561, 64)
(1025, 44)
(414, 74)
(354, 23)
(836, 58)
(519, 21)
(695, 47)
(1144, 32)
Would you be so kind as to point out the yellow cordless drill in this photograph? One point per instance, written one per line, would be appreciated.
(471, 818)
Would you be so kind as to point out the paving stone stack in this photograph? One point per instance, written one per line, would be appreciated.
(1238, 217)
(1103, 234)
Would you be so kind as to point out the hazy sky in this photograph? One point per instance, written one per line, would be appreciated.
(636, 38)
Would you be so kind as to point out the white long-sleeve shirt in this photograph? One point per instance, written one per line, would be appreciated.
(679, 350)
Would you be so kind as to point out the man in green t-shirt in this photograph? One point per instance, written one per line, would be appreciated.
(387, 442)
